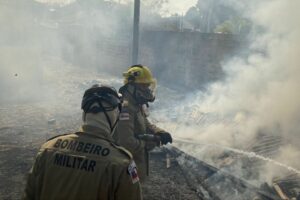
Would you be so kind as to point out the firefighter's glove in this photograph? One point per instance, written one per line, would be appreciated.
(165, 137)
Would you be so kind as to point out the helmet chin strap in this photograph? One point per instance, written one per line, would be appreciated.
(112, 127)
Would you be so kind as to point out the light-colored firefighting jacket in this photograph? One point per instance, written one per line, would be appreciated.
(86, 165)
(132, 122)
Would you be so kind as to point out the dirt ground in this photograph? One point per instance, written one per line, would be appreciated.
(24, 128)
(166, 183)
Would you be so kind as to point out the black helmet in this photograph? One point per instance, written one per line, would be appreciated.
(101, 93)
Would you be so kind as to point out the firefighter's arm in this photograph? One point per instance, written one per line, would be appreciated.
(35, 179)
(151, 128)
(128, 185)
(165, 137)
(125, 133)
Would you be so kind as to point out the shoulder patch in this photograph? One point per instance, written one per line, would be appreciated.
(124, 116)
(133, 172)
(58, 136)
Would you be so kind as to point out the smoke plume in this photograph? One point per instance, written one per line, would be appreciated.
(260, 94)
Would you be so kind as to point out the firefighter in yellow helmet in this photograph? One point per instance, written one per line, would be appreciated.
(134, 130)
(86, 164)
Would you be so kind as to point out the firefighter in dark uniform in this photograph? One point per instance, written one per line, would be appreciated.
(86, 165)
(138, 91)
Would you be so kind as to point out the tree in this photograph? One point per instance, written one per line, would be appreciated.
(234, 26)
(193, 16)
(217, 16)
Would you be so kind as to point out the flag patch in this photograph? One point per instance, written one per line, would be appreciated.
(133, 172)
(124, 116)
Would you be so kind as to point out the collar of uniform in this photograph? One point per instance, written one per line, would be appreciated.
(96, 132)
(131, 105)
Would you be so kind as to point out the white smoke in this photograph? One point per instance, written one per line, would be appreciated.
(266, 88)
(57, 2)
(261, 93)
(40, 39)
(165, 8)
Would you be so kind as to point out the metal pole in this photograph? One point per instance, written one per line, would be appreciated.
(135, 40)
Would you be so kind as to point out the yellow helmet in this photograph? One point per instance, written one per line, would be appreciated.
(138, 74)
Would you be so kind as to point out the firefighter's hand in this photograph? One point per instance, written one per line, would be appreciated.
(165, 137)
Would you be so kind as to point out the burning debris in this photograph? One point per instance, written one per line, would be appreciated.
(216, 183)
